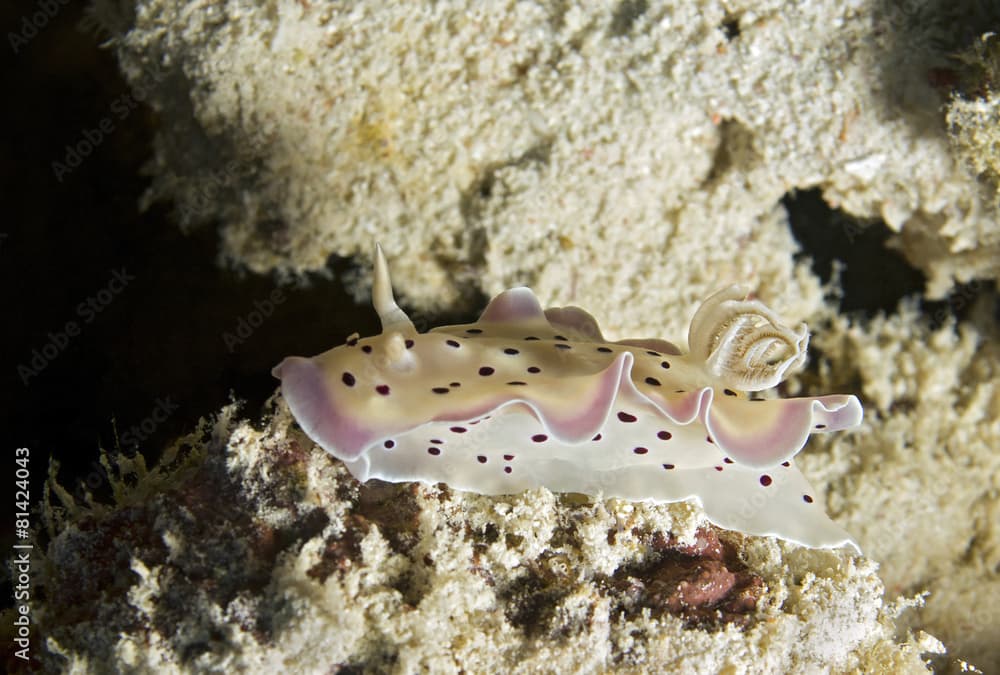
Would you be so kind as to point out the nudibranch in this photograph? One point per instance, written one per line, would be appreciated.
(526, 397)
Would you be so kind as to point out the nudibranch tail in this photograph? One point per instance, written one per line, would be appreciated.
(392, 317)
(764, 433)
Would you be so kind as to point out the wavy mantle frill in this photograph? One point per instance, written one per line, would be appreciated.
(526, 397)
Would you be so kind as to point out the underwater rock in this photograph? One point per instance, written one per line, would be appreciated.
(263, 552)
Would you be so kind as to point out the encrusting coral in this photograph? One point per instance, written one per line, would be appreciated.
(264, 553)
(491, 145)
(925, 465)
(974, 114)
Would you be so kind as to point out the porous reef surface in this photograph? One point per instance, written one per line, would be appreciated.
(491, 144)
(627, 158)
(249, 550)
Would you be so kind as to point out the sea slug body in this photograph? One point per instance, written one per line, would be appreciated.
(526, 397)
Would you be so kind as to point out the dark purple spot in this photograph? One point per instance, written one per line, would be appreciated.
(507, 469)
(668, 467)
(718, 468)
(664, 365)
(606, 350)
(727, 460)
(455, 384)
(821, 426)
(765, 480)
(473, 331)
(729, 392)
(562, 346)
(640, 450)
(597, 437)
(353, 341)
(709, 439)
(511, 351)
(458, 430)
(786, 464)
(807, 499)
(409, 344)
(452, 343)
(434, 451)
(653, 353)
(625, 417)
(440, 390)
(485, 370)
(517, 383)
(508, 457)
(652, 381)
(664, 435)
(382, 389)
(534, 369)
(367, 349)
(389, 445)
(539, 438)
(436, 441)
(347, 379)
(531, 337)
(481, 458)
(560, 337)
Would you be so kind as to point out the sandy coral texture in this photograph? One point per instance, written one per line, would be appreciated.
(256, 552)
(628, 158)
(489, 144)
(974, 114)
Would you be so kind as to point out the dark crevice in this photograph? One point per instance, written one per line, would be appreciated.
(873, 277)
(730, 27)
(531, 602)
(734, 151)
(625, 16)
